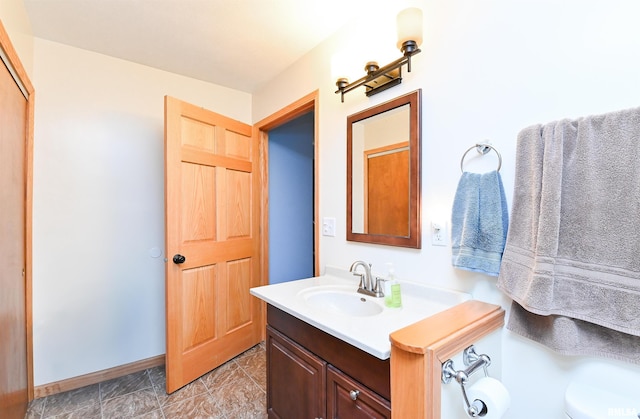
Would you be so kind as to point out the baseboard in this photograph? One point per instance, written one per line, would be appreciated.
(96, 377)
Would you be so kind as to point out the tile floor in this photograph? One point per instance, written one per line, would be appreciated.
(234, 390)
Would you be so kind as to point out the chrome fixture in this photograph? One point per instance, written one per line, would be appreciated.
(367, 285)
(482, 149)
(378, 79)
(473, 362)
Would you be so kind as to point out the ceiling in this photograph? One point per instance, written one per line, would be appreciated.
(240, 44)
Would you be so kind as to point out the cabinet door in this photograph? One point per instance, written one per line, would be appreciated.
(348, 399)
(296, 380)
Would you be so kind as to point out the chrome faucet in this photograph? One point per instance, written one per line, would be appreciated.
(367, 285)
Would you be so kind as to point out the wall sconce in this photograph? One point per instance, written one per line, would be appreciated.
(378, 79)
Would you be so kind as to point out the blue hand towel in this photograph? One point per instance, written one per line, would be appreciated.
(479, 223)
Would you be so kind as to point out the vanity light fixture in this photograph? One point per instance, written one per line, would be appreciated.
(378, 79)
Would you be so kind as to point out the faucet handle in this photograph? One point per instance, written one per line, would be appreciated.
(379, 288)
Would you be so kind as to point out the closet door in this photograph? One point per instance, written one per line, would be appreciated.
(15, 112)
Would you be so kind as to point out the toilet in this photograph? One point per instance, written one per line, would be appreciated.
(603, 392)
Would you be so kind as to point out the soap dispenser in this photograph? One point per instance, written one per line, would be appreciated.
(392, 296)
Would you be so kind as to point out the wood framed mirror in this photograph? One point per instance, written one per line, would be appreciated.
(383, 173)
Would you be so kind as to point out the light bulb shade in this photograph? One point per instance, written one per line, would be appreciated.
(409, 26)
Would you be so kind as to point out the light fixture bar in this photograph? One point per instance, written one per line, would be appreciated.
(409, 26)
(380, 79)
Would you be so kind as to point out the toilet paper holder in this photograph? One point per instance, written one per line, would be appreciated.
(473, 362)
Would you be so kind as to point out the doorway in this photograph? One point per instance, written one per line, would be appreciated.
(291, 192)
(305, 107)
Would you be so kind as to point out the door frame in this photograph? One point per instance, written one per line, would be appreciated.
(9, 57)
(261, 130)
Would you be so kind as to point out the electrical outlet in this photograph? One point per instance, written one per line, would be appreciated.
(439, 233)
(329, 226)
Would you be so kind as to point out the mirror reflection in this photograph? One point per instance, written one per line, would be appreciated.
(383, 167)
(380, 147)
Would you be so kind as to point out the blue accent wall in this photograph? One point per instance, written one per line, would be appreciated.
(291, 183)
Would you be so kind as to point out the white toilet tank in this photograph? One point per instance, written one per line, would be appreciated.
(604, 391)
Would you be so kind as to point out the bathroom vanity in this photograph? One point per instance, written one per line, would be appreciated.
(311, 374)
(328, 347)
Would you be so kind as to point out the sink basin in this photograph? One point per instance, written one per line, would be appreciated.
(330, 302)
(342, 301)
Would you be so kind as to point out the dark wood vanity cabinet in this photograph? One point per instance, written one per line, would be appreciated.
(296, 380)
(313, 375)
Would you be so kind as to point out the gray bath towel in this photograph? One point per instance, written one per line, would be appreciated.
(572, 257)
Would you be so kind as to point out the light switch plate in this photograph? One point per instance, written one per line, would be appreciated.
(329, 226)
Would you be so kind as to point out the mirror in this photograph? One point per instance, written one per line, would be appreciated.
(383, 173)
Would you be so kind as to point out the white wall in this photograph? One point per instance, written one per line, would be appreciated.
(98, 215)
(16, 22)
(488, 69)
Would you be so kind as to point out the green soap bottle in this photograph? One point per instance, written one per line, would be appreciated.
(392, 295)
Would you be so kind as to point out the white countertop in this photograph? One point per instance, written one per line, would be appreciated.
(369, 333)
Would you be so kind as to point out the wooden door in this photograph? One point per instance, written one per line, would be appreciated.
(15, 203)
(387, 191)
(212, 191)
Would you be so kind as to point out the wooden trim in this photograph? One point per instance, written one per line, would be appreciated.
(418, 351)
(98, 376)
(261, 129)
(14, 60)
(289, 112)
(12, 55)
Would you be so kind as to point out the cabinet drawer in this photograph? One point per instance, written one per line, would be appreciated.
(349, 399)
(296, 380)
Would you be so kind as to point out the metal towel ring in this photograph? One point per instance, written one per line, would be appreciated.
(482, 148)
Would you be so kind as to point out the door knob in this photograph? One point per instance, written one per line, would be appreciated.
(178, 259)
